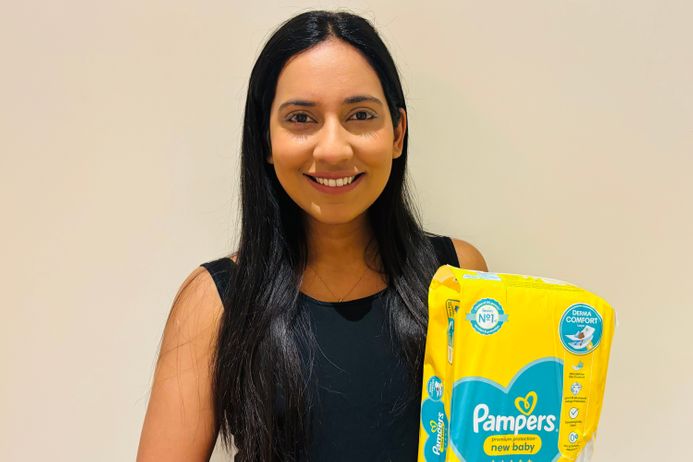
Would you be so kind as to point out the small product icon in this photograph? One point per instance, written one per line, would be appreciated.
(573, 437)
(578, 366)
(575, 388)
(435, 388)
(573, 413)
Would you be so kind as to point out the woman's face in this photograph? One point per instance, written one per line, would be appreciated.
(320, 126)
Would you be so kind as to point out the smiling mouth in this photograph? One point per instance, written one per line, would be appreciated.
(312, 178)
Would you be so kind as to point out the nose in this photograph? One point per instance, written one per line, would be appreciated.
(333, 145)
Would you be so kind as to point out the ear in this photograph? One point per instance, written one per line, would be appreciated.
(400, 130)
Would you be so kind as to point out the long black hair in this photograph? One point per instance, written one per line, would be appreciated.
(261, 370)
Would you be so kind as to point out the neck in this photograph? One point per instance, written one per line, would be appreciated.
(338, 246)
(340, 260)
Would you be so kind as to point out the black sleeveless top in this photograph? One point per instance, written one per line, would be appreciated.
(364, 412)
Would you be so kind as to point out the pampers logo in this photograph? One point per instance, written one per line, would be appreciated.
(438, 429)
(435, 422)
(483, 420)
(490, 420)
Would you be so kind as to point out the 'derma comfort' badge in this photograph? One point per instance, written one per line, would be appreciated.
(580, 328)
(487, 316)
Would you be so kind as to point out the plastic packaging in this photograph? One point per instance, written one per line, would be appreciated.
(514, 369)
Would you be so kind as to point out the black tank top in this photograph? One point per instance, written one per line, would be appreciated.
(363, 410)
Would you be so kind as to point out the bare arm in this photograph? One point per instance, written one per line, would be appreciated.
(469, 256)
(179, 423)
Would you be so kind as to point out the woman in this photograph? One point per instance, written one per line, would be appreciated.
(307, 343)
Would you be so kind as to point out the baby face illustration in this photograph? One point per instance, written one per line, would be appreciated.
(582, 338)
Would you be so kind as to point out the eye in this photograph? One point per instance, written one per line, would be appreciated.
(297, 114)
(364, 112)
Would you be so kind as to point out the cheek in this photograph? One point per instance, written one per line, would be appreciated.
(288, 149)
(374, 148)
(288, 163)
(376, 158)
(288, 173)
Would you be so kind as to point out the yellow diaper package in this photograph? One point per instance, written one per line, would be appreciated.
(514, 369)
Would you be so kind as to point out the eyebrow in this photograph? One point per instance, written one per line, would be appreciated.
(349, 100)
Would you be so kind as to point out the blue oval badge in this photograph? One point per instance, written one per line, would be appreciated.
(487, 316)
(580, 328)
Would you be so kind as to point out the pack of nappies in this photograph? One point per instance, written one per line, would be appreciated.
(514, 369)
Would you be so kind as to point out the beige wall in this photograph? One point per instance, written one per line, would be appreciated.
(556, 136)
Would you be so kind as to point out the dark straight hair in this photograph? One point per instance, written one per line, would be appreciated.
(263, 359)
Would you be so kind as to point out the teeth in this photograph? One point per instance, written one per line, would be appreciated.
(335, 182)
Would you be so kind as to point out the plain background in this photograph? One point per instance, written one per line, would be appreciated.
(556, 136)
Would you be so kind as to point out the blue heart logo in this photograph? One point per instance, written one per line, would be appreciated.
(491, 421)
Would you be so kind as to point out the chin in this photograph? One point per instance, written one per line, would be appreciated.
(335, 218)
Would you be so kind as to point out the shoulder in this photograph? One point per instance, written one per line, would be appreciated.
(469, 256)
(196, 306)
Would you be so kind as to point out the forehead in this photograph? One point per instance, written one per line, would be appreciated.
(327, 73)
